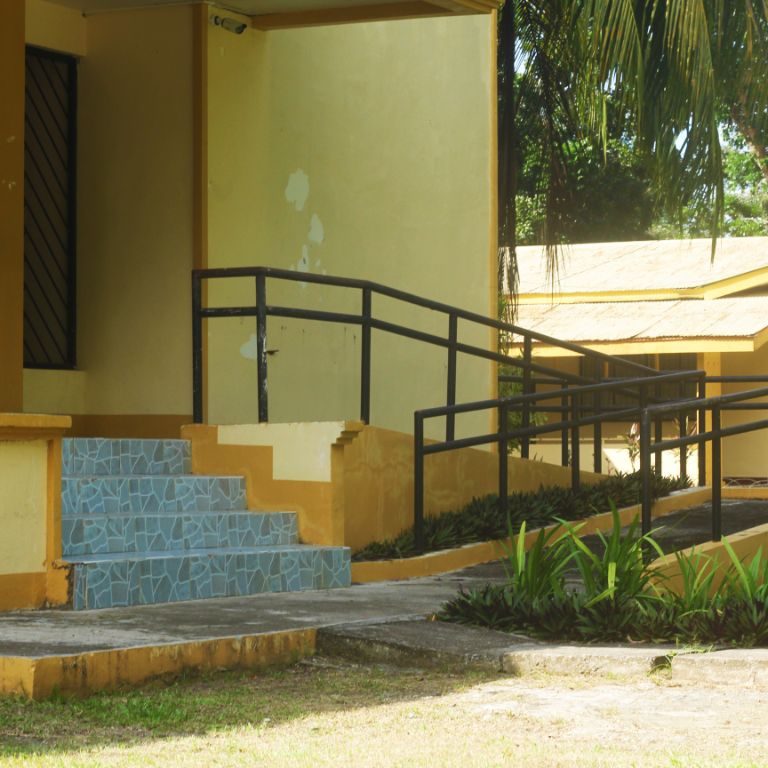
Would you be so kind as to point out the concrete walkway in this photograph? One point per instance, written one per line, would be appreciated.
(79, 652)
(35, 634)
(46, 651)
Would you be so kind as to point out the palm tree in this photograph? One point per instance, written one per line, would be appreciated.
(675, 68)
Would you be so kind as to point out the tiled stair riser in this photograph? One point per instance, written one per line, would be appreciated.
(139, 529)
(99, 534)
(101, 456)
(120, 583)
(136, 494)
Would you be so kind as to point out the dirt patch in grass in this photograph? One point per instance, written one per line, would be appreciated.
(338, 715)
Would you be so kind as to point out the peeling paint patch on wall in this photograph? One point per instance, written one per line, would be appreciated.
(297, 189)
(316, 230)
(249, 349)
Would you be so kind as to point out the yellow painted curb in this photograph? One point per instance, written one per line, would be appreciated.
(446, 560)
(744, 493)
(744, 544)
(78, 674)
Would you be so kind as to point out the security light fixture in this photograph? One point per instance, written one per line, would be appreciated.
(231, 25)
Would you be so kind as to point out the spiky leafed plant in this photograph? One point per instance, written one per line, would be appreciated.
(675, 68)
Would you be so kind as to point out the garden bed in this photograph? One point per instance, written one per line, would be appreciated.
(482, 519)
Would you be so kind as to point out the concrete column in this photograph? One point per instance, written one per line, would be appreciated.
(12, 205)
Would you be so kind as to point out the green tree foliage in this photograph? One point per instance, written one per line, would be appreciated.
(674, 68)
(746, 197)
(608, 196)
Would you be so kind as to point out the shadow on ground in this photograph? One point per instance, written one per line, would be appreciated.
(220, 702)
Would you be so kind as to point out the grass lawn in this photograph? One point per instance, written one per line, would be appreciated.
(322, 714)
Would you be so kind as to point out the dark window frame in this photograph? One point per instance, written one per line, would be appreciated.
(70, 361)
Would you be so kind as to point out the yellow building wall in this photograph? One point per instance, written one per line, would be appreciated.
(135, 202)
(23, 467)
(745, 455)
(31, 572)
(11, 204)
(135, 211)
(361, 151)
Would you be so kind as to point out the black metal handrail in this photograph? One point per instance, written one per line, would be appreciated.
(366, 319)
(579, 396)
(735, 401)
(572, 420)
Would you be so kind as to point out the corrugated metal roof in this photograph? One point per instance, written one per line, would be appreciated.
(641, 265)
(733, 318)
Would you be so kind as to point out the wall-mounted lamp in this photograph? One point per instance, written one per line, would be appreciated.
(231, 25)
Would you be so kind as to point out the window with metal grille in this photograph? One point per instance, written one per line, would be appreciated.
(49, 210)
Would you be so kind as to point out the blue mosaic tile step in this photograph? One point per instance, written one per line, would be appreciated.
(151, 493)
(99, 534)
(114, 581)
(102, 456)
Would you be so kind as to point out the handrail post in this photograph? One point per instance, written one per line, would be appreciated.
(575, 452)
(503, 460)
(642, 402)
(597, 435)
(525, 444)
(701, 426)
(564, 410)
(453, 333)
(365, 360)
(418, 482)
(682, 419)
(646, 492)
(658, 430)
(197, 349)
(717, 506)
(261, 346)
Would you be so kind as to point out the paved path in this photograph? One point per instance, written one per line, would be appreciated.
(387, 619)
(34, 634)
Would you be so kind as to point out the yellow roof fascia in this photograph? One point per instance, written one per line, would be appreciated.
(729, 285)
(600, 297)
(760, 338)
(653, 346)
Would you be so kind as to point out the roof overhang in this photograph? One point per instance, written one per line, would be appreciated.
(649, 347)
(652, 270)
(284, 14)
(737, 324)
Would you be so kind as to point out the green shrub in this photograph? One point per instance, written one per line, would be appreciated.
(620, 596)
(482, 519)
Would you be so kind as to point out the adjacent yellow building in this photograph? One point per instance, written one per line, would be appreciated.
(666, 304)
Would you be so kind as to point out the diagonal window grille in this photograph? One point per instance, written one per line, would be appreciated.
(49, 210)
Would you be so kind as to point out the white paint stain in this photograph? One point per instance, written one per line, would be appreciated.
(249, 349)
(316, 230)
(297, 189)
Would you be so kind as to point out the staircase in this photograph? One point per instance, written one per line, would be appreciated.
(138, 528)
